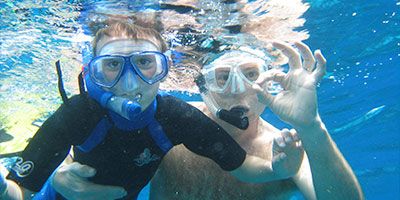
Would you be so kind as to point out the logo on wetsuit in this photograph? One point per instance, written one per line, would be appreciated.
(21, 168)
(145, 158)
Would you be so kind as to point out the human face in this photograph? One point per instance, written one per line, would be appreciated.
(234, 71)
(229, 79)
(130, 85)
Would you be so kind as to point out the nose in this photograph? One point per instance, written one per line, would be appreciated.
(129, 81)
(237, 86)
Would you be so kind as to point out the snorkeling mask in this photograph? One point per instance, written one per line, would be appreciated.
(150, 66)
(106, 70)
(233, 72)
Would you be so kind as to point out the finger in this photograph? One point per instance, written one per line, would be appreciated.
(272, 75)
(280, 141)
(82, 170)
(320, 69)
(299, 144)
(279, 156)
(262, 96)
(287, 136)
(294, 135)
(308, 58)
(291, 53)
(106, 192)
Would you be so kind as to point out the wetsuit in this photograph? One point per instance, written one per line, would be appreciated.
(124, 158)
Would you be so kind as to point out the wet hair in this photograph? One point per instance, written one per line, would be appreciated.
(129, 30)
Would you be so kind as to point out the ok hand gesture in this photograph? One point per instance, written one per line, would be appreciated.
(297, 103)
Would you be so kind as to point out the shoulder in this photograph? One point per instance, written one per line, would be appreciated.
(199, 105)
(171, 105)
(79, 109)
(164, 100)
(82, 103)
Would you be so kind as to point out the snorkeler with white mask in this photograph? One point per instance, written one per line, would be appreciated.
(123, 125)
(235, 75)
(245, 80)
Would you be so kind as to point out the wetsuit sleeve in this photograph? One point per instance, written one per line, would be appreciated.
(203, 136)
(50, 145)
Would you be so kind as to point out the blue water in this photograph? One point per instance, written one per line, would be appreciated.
(361, 41)
(359, 100)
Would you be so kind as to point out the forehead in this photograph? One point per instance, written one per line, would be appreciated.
(238, 58)
(111, 45)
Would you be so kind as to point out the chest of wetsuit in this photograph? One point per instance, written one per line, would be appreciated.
(124, 158)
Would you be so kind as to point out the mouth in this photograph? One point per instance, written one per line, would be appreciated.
(240, 109)
(137, 97)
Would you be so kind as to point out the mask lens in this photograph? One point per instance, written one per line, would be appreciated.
(149, 65)
(250, 71)
(106, 70)
(217, 78)
(222, 76)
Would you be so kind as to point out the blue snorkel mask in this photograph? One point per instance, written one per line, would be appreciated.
(103, 72)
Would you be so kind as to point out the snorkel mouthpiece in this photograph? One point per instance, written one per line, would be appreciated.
(129, 109)
(235, 116)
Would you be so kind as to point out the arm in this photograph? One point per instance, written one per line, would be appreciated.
(70, 180)
(297, 105)
(48, 148)
(287, 157)
(9, 190)
(331, 174)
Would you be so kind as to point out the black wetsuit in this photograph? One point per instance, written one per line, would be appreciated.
(127, 159)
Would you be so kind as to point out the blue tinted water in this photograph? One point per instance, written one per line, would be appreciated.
(359, 100)
(361, 41)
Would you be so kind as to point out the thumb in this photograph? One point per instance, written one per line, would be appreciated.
(82, 170)
(106, 192)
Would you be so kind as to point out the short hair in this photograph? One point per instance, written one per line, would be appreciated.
(131, 31)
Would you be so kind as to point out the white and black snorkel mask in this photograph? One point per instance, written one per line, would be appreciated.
(233, 72)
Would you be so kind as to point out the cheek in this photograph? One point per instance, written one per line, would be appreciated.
(224, 101)
(255, 106)
(149, 91)
(110, 75)
(149, 73)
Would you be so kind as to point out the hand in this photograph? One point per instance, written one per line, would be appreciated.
(287, 154)
(297, 103)
(70, 181)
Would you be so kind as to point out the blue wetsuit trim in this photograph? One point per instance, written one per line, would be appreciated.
(97, 136)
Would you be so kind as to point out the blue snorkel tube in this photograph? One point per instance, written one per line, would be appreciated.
(127, 108)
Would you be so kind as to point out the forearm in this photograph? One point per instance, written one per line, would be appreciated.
(255, 170)
(332, 175)
(11, 192)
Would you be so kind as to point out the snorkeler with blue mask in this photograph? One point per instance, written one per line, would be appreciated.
(119, 75)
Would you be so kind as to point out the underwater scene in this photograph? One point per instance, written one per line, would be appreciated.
(358, 98)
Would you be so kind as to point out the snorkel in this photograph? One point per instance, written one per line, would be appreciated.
(127, 108)
(235, 116)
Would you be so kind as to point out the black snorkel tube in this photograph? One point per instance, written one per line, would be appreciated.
(235, 116)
